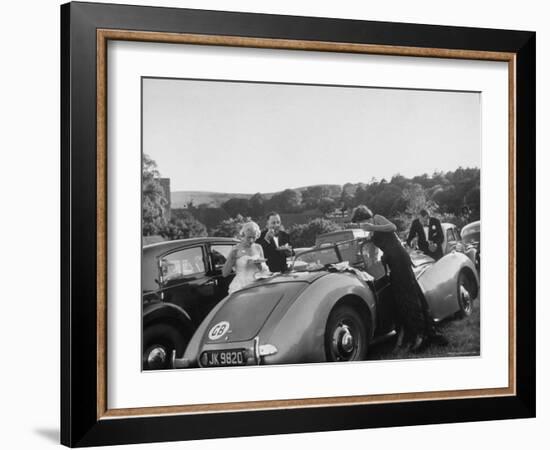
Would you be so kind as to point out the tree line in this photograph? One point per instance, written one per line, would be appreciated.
(453, 195)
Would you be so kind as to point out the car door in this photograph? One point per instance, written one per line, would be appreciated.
(374, 266)
(218, 256)
(185, 281)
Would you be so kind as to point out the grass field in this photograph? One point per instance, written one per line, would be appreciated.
(463, 336)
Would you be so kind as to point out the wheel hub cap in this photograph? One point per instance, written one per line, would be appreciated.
(157, 357)
(466, 298)
(343, 342)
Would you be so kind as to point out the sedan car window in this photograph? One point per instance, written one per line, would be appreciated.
(182, 264)
(450, 235)
(219, 254)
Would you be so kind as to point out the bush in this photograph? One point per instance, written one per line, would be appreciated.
(183, 227)
(230, 227)
(304, 235)
(210, 217)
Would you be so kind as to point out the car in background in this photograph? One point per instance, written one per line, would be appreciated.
(451, 238)
(471, 238)
(454, 241)
(323, 309)
(181, 282)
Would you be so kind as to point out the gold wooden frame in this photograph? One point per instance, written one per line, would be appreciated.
(104, 35)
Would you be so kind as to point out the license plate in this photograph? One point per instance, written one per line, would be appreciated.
(222, 358)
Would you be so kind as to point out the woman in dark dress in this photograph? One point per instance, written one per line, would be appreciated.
(409, 314)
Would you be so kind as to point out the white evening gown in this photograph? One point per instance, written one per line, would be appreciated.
(244, 273)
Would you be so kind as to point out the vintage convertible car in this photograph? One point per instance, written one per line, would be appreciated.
(322, 310)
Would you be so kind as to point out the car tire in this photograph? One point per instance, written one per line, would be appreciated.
(465, 296)
(346, 335)
(159, 341)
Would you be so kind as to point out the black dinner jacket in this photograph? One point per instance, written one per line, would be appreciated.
(276, 259)
(435, 234)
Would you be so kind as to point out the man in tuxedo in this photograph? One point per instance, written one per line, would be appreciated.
(431, 244)
(275, 243)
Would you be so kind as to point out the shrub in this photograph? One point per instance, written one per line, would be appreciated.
(183, 227)
(304, 235)
(230, 227)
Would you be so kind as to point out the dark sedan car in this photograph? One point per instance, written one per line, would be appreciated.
(181, 282)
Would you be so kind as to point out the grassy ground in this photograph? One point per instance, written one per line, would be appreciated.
(462, 334)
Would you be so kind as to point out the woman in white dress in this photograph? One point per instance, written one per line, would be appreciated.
(247, 258)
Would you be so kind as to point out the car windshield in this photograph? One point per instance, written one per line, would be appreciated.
(316, 259)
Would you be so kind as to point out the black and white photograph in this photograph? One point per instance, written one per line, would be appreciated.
(298, 223)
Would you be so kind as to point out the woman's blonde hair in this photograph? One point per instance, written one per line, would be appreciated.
(250, 227)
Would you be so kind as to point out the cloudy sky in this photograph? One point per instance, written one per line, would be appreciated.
(252, 137)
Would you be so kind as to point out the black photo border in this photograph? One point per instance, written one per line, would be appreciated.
(82, 423)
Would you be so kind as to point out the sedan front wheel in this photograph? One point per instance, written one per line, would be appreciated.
(159, 341)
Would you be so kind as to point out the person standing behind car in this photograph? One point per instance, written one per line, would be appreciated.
(430, 244)
(275, 243)
(246, 259)
(407, 304)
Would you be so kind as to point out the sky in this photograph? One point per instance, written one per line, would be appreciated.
(245, 137)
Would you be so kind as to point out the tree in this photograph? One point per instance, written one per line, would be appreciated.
(415, 196)
(230, 227)
(346, 200)
(326, 205)
(312, 195)
(472, 201)
(154, 201)
(413, 200)
(399, 180)
(360, 196)
(287, 201)
(235, 206)
(303, 235)
(257, 205)
(388, 201)
(183, 227)
(208, 216)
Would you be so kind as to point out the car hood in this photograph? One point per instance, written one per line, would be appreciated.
(244, 312)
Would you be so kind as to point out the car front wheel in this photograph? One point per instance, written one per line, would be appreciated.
(346, 337)
(159, 341)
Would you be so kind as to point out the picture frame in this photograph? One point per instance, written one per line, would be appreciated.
(86, 28)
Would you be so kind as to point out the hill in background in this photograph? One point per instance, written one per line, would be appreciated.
(180, 199)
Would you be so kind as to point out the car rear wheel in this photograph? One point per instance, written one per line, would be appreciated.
(346, 335)
(465, 295)
(159, 341)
